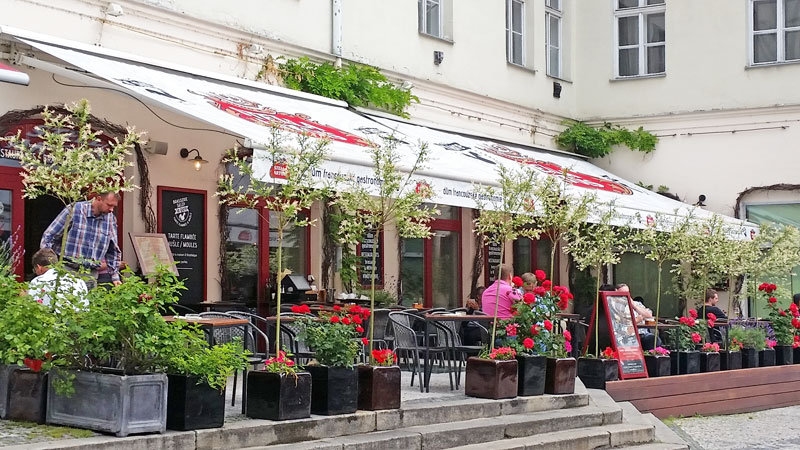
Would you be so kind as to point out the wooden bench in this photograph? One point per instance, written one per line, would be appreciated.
(726, 392)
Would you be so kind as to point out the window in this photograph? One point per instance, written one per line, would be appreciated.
(641, 37)
(431, 15)
(515, 32)
(641, 276)
(553, 41)
(775, 31)
(531, 255)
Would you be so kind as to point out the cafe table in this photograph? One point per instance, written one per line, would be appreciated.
(210, 324)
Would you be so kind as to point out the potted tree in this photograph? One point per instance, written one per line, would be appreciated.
(782, 327)
(197, 375)
(334, 339)
(595, 372)
(286, 193)
(493, 374)
(731, 359)
(658, 362)
(709, 357)
(280, 391)
(129, 343)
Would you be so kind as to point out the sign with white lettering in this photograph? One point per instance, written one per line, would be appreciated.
(182, 218)
(371, 242)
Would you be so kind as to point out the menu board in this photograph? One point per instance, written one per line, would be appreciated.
(492, 260)
(182, 218)
(624, 336)
(371, 242)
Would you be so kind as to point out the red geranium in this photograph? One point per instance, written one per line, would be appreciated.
(346, 320)
(511, 329)
(773, 300)
(693, 314)
(337, 308)
(34, 364)
(301, 309)
(334, 319)
(365, 341)
(529, 298)
(696, 338)
(711, 316)
(356, 319)
(539, 290)
(567, 335)
(359, 329)
(528, 343)
(547, 284)
(608, 353)
(548, 325)
(517, 281)
(540, 275)
(534, 329)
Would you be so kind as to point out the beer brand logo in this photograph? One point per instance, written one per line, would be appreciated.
(576, 179)
(650, 221)
(279, 170)
(266, 116)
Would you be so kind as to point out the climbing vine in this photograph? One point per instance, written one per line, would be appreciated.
(358, 85)
(597, 142)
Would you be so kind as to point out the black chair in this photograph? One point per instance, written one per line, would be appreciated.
(289, 332)
(405, 340)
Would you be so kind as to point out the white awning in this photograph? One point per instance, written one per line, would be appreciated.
(9, 74)
(249, 109)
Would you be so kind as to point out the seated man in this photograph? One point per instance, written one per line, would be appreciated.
(48, 280)
(712, 298)
(641, 313)
(501, 293)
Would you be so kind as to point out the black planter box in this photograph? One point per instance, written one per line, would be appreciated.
(27, 396)
(784, 355)
(192, 406)
(749, 358)
(796, 355)
(685, 362)
(378, 387)
(532, 373)
(488, 378)
(766, 357)
(657, 366)
(709, 362)
(334, 390)
(730, 360)
(278, 397)
(561, 373)
(594, 372)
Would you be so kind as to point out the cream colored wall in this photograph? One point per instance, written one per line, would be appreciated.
(165, 170)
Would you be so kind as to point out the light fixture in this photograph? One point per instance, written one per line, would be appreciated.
(700, 199)
(438, 57)
(197, 161)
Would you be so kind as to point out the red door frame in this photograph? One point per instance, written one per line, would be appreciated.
(440, 225)
(11, 179)
(204, 193)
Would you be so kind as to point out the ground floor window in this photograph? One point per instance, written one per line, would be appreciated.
(531, 255)
(641, 276)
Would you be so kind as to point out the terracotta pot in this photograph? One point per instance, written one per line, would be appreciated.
(277, 396)
(192, 405)
(334, 390)
(784, 355)
(749, 358)
(27, 396)
(487, 378)
(532, 373)
(378, 387)
(594, 372)
(657, 366)
(709, 362)
(730, 360)
(561, 374)
(766, 357)
(684, 362)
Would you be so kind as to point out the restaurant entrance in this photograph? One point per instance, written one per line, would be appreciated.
(11, 210)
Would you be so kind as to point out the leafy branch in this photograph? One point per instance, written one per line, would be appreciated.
(597, 142)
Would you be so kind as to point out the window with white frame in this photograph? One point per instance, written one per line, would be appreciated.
(553, 41)
(774, 31)
(431, 14)
(640, 37)
(515, 32)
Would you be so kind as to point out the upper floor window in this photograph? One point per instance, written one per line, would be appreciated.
(775, 31)
(553, 25)
(430, 17)
(641, 37)
(515, 32)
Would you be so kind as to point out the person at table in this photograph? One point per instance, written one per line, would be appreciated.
(471, 330)
(91, 242)
(641, 314)
(47, 284)
(712, 298)
(501, 293)
(529, 282)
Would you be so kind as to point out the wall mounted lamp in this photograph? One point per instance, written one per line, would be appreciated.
(197, 161)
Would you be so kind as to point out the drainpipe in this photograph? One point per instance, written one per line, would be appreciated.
(336, 33)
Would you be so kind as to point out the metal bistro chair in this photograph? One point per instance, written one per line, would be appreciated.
(289, 333)
(405, 340)
(448, 332)
(249, 335)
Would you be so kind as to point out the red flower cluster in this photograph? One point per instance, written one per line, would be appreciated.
(511, 329)
(534, 329)
(796, 342)
(548, 325)
(540, 275)
(773, 300)
(384, 357)
(280, 364)
(503, 353)
(709, 347)
(567, 335)
(563, 299)
(767, 287)
(711, 319)
(735, 345)
(796, 323)
(529, 298)
(302, 309)
(794, 310)
(34, 364)
(696, 338)
(539, 290)
(693, 314)
(608, 353)
(771, 344)
(517, 282)
(528, 343)
(547, 284)
(688, 320)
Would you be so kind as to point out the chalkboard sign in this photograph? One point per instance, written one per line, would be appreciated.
(492, 260)
(624, 335)
(371, 242)
(182, 218)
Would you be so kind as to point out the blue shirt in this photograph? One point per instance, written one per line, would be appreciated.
(90, 238)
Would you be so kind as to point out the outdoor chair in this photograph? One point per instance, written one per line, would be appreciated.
(289, 332)
(249, 334)
(447, 331)
(405, 340)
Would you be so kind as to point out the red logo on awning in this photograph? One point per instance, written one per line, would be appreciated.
(279, 170)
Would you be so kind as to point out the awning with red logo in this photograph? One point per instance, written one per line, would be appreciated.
(458, 162)
(9, 74)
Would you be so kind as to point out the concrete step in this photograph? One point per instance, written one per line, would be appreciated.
(488, 431)
(657, 446)
(587, 438)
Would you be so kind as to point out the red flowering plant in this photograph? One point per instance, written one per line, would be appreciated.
(735, 345)
(608, 353)
(333, 336)
(499, 354)
(691, 331)
(709, 347)
(385, 358)
(658, 351)
(281, 364)
(784, 325)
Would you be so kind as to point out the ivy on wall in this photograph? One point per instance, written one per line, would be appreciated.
(597, 142)
(355, 84)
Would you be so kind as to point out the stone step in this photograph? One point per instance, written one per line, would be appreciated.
(489, 431)
(657, 446)
(615, 435)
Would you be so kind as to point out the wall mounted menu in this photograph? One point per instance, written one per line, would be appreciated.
(182, 218)
(492, 260)
(371, 242)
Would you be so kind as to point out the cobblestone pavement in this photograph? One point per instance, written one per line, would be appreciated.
(763, 430)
